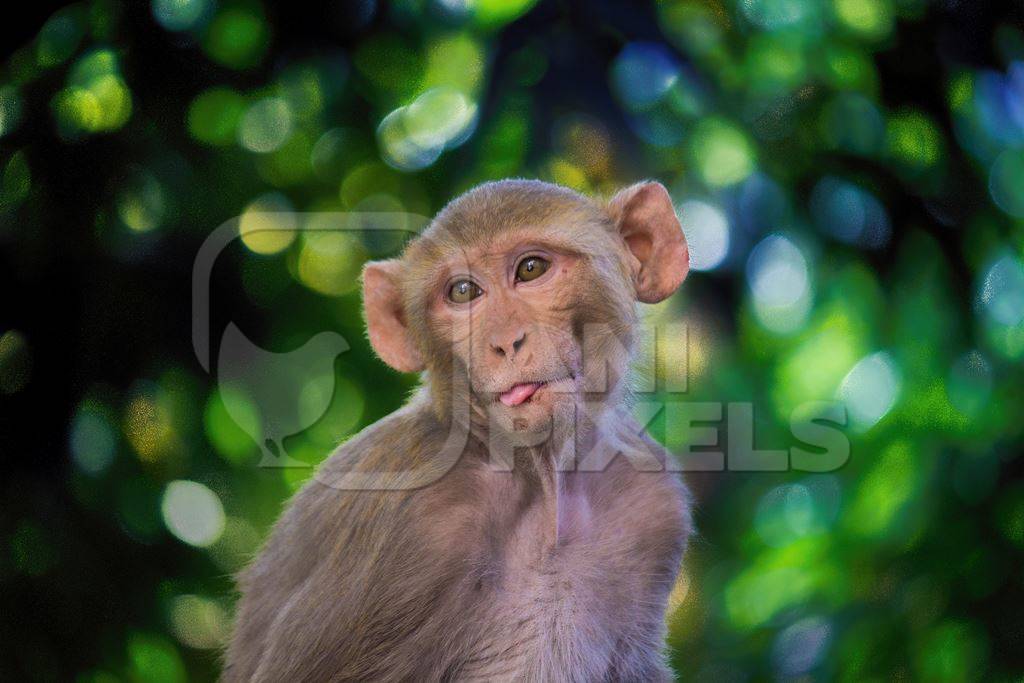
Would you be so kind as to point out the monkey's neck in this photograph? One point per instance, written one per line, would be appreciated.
(541, 477)
(541, 483)
(537, 468)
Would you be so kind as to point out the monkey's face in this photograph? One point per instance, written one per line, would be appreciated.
(511, 314)
(521, 296)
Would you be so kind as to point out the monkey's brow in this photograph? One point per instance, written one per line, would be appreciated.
(503, 251)
(538, 239)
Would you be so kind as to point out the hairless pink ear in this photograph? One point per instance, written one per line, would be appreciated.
(648, 224)
(385, 318)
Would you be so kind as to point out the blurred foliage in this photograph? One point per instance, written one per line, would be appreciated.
(850, 176)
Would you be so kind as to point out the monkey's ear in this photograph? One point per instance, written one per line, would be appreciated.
(385, 317)
(648, 224)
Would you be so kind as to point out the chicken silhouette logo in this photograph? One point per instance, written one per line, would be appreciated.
(291, 390)
(277, 383)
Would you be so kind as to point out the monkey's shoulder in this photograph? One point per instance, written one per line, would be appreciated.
(641, 455)
(396, 442)
(391, 474)
(646, 474)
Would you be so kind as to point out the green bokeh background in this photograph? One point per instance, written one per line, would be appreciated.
(850, 175)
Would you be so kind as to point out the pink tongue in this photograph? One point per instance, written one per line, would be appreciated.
(519, 393)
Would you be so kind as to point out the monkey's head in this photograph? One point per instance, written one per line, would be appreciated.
(523, 293)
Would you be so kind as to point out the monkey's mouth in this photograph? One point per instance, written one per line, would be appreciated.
(520, 393)
(523, 392)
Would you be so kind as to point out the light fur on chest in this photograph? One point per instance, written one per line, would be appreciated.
(576, 589)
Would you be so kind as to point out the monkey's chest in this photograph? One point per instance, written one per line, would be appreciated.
(576, 609)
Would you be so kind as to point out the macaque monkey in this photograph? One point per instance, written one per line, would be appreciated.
(490, 555)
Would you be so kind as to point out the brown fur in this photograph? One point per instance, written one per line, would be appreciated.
(534, 574)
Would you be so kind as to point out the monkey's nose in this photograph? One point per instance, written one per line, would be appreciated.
(508, 345)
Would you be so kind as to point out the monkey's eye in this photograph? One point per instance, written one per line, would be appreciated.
(463, 291)
(531, 268)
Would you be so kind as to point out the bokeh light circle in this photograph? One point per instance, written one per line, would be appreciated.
(1006, 182)
(193, 513)
(721, 152)
(850, 213)
(969, 385)
(801, 647)
(776, 14)
(268, 224)
(199, 622)
(870, 389)
(93, 439)
(643, 73)
(707, 233)
(180, 15)
(1002, 291)
(779, 279)
(266, 125)
(414, 136)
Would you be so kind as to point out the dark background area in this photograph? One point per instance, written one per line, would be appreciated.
(91, 581)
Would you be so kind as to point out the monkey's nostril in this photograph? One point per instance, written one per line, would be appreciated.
(506, 349)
